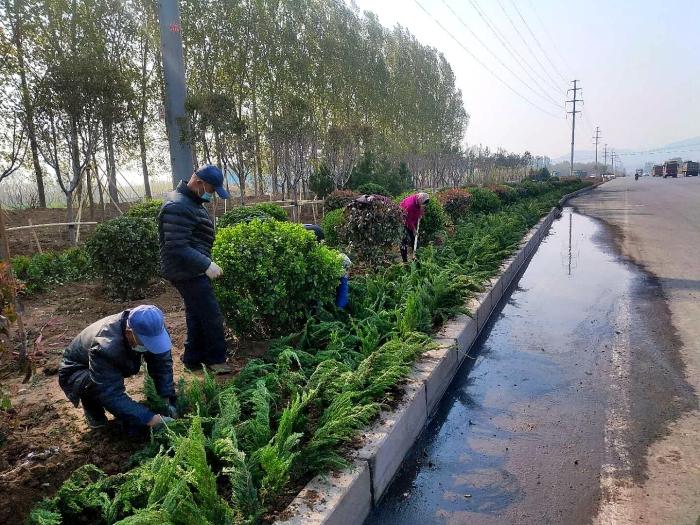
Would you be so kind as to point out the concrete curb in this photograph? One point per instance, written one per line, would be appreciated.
(346, 498)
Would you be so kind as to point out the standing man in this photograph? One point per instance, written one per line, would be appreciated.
(186, 234)
(413, 207)
(100, 357)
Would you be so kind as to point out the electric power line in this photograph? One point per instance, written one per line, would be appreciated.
(546, 72)
(548, 98)
(517, 57)
(545, 30)
(482, 64)
(537, 40)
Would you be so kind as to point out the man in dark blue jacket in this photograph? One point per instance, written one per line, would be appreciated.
(186, 235)
(98, 360)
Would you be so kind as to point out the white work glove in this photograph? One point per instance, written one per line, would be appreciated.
(214, 271)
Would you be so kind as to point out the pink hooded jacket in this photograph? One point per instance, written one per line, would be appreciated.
(413, 211)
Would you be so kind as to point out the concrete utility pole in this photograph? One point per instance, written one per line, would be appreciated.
(612, 157)
(573, 112)
(597, 140)
(605, 169)
(176, 121)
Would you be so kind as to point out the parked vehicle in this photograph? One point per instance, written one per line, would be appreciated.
(671, 168)
(638, 173)
(657, 171)
(690, 168)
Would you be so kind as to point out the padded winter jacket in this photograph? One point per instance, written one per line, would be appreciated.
(412, 210)
(186, 234)
(100, 357)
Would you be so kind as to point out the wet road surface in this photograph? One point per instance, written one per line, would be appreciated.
(578, 373)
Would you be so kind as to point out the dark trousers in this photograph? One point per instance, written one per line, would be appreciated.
(409, 238)
(205, 343)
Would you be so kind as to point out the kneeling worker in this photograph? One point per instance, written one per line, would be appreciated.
(97, 361)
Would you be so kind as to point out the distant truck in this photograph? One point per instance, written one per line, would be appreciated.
(657, 170)
(671, 168)
(690, 169)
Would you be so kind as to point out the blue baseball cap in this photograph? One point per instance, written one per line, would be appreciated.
(147, 323)
(213, 176)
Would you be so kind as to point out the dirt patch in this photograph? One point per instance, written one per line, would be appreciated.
(43, 438)
(23, 242)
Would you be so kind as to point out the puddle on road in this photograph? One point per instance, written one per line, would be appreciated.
(520, 436)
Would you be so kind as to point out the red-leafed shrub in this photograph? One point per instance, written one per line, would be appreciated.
(506, 194)
(456, 202)
(339, 199)
(371, 229)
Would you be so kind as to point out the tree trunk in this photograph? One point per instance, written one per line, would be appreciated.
(111, 170)
(16, 27)
(75, 178)
(88, 188)
(144, 164)
(259, 185)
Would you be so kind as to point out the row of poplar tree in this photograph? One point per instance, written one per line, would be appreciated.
(275, 89)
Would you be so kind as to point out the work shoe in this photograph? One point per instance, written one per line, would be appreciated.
(193, 367)
(95, 420)
(219, 368)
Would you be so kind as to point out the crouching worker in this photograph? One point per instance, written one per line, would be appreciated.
(97, 361)
(342, 293)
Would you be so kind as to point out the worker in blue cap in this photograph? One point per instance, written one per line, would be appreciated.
(98, 360)
(186, 234)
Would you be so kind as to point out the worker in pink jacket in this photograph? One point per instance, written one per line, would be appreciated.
(414, 208)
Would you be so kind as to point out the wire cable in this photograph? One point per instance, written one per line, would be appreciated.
(519, 59)
(537, 41)
(554, 45)
(544, 95)
(476, 59)
(512, 23)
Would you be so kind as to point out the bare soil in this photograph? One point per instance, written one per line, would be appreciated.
(43, 438)
(23, 242)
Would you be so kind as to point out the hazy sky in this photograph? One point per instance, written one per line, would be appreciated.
(638, 62)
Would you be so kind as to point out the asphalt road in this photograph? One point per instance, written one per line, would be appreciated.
(578, 405)
(657, 226)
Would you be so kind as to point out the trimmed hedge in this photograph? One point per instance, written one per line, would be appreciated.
(124, 253)
(372, 229)
(330, 224)
(146, 210)
(456, 202)
(262, 211)
(339, 199)
(274, 273)
(43, 271)
(484, 200)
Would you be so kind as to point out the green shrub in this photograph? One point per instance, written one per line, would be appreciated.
(124, 254)
(42, 271)
(484, 200)
(505, 194)
(433, 223)
(456, 202)
(371, 188)
(242, 214)
(371, 230)
(330, 224)
(532, 188)
(339, 199)
(274, 273)
(275, 211)
(146, 210)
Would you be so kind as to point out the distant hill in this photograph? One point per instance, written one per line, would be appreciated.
(688, 149)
